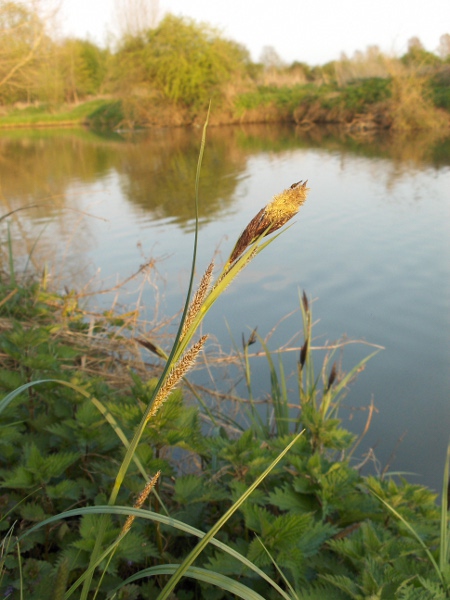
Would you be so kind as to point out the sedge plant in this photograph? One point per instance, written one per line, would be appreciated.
(182, 357)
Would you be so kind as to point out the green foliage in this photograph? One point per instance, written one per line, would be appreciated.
(418, 56)
(314, 523)
(440, 88)
(185, 62)
(108, 116)
(359, 94)
(284, 97)
(21, 49)
(81, 66)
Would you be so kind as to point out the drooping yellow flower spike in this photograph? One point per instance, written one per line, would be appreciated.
(270, 218)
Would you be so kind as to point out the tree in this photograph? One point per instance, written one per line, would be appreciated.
(417, 56)
(82, 68)
(444, 46)
(270, 58)
(22, 38)
(414, 44)
(181, 60)
(135, 17)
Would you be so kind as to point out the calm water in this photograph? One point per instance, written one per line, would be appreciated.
(371, 246)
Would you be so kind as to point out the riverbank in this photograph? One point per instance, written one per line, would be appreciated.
(404, 102)
(84, 384)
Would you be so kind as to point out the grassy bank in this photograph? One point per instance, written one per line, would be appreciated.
(115, 479)
(43, 115)
(398, 103)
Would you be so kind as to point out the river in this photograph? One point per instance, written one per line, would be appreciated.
(371, 248)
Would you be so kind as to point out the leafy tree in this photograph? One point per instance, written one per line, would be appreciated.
(24, 45)
(82, 68)
(22, 35)
(181, 60)
(418, 56)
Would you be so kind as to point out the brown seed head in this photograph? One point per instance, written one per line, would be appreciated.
(199, 298)
(332, 376)
(303, 353)
(140, 501)
(278, 212)
(176, 374)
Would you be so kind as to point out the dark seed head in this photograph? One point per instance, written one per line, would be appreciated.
(303, 353)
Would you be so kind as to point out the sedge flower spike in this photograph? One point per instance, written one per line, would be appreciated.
(273, 216)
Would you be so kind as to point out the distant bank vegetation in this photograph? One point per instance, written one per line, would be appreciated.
(166, 75)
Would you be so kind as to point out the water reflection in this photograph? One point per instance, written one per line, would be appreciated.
(158, 173)
(157, 168)
(371, 242)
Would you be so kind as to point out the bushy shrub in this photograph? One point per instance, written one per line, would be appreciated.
(185, 62)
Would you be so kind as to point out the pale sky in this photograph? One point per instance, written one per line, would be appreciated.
(311, 31)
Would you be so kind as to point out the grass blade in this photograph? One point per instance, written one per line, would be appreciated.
(179, 573)
(152, 516)
(444, 538)
(221, 581)
(414, 533)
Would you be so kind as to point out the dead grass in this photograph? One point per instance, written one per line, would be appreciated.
(411, 106)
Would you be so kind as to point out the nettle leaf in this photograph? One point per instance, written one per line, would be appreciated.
(189, 488)
(345, 584)
(20, 477)
(37, 579)
(11, 380)
(257, 518)
(291, 557)
(50, 466)
(321, 591)
(62, 430)
(134, 547)
(32, 512)
(40, 362)
(67, 353)
(286, 498)
(89, 528)
(88, 416)
(226, 564)
(126, 412)
(240, 487)
(315, 536)
(9, 435)
(64, 489)
(429, 591)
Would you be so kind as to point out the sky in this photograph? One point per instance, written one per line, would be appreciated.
(311, 31)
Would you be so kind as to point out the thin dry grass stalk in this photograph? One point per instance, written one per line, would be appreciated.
(270, 218)
(185, 363)
(199, 298)
(140, 501)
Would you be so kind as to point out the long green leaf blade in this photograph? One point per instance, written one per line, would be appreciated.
(164, 595)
